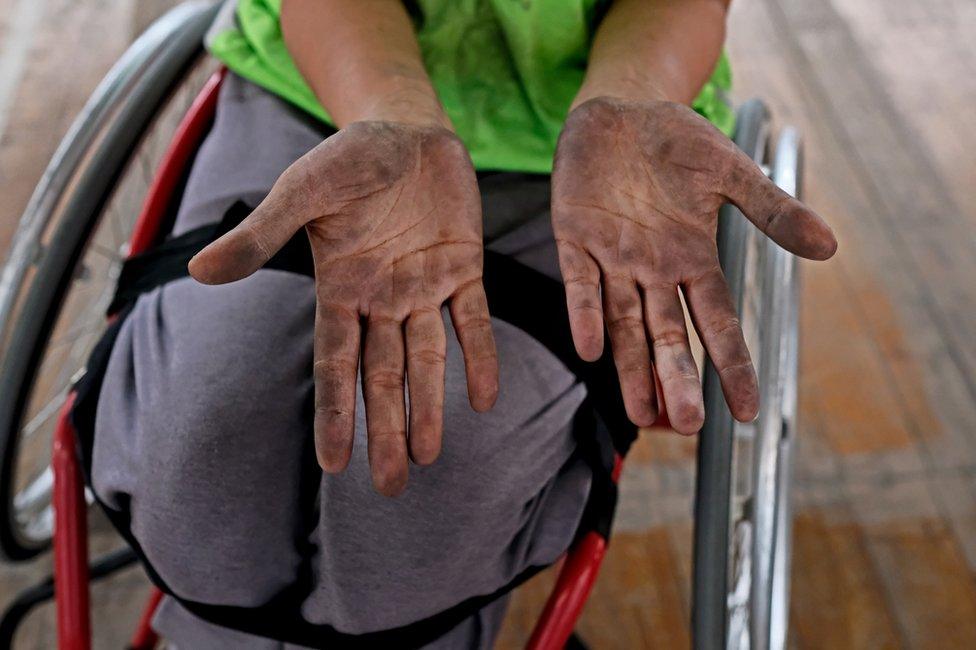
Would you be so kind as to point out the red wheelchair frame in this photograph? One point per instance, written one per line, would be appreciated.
(71, 571)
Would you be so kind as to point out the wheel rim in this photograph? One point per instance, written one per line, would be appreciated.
(746, 441)
(760, 512)
(721, 563)
(80, 322)
(79, 326)
(787, 173)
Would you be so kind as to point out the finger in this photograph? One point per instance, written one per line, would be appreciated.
(628, 338)
(426, 345)
(715, 318)
(386, 425)
(336, 351)
(469, 312)
(581, 275)
(250, 245)
(676, 367)
(784, 219)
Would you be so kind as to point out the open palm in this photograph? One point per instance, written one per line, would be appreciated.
(393, 216)
(636, 192)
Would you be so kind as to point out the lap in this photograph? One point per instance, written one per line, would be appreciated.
(204, 427)
(204, 434)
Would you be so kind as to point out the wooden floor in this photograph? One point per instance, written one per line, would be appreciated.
(884, 93)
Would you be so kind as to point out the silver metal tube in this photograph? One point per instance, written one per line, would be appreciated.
(770, 468)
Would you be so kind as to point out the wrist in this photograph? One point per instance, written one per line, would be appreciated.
(623, 87)
(405, 101)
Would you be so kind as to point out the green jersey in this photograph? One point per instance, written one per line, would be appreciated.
(505, 71)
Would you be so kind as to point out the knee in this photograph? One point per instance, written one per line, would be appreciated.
(208, 464)
(222, 396)
(217, 506)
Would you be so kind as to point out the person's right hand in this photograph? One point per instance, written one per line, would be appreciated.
(393, 215)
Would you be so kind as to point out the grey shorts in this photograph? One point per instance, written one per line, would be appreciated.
(203, 433)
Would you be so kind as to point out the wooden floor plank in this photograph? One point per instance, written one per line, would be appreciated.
(927, 580)
(639, 598)
(45, 103)
(837, 599)
(931, 236)
(924, 54)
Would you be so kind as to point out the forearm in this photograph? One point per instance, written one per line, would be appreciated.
(361, 59)
(655, 49)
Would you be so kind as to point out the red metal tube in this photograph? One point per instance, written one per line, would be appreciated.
(145, 638)
(186, 140)
(70, 538)
(566, 602)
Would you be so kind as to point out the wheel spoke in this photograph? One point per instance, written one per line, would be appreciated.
(47, 412)
(739, 587)
(32, 507)
(36, 494)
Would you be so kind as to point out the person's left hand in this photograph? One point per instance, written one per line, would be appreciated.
(636, 190)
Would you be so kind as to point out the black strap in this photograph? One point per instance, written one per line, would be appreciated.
(168, 261)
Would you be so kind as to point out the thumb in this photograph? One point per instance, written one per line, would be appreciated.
(250, 245)
(781, 217)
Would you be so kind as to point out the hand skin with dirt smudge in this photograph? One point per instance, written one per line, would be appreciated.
(393, 215)
(637, 185)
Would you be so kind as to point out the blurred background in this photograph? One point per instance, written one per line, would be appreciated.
(883, 92)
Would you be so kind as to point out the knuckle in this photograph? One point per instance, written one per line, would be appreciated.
(333, 365)
(258, 241)
(586, 306)
(384, 380)
(384, 435)
(425, 315)
(725, 325)
(735, 367)
(475, 327)
(584, 281)
(426, 356)
(681, 373)
(330, 413)
(470, 309)
(669, 338)
(625, 323)
(381, 317)
(331, 310)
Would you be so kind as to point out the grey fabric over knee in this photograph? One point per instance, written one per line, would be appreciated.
(204, 433)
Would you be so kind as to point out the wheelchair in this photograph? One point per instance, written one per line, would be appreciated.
(132, 146)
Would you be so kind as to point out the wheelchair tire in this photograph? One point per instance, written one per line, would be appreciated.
(742, 506)
(61, 272)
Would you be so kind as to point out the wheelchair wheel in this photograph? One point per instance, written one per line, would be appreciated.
(68, 250)
(743, 516)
